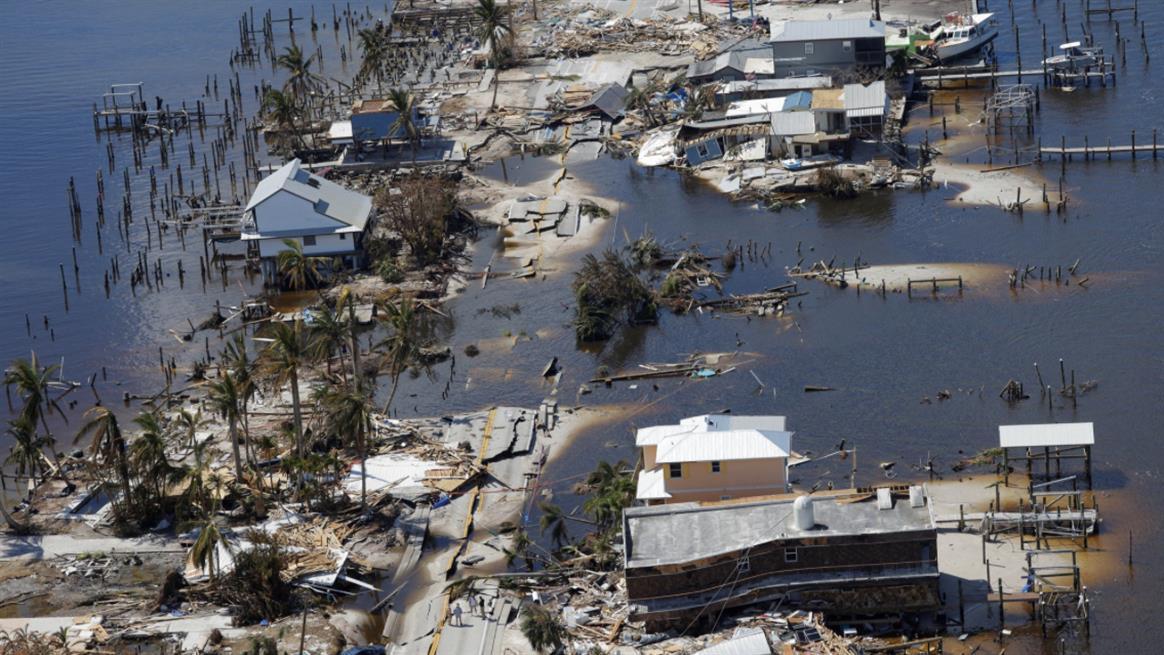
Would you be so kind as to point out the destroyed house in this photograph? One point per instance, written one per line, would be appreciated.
(853, 556)
(324, 218)
(375, 120)
(713, 457)
(733, 65)
(814, 47)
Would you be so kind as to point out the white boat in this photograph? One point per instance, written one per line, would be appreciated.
(960, 35)
(805, 163)
(1073, 56)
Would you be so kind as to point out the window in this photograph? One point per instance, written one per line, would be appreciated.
(808, 48)
(676, 470)
(702, 149)
(791, 556)
(743, 564)
(343, 236)
(309, 241)
(715, 467)
(847, 45)
(725, 497)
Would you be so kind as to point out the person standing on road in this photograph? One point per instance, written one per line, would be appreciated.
(457, 621)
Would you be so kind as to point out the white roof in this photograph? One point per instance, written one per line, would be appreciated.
(723, 445)
(1046, 435)
(327, 198)
(863, 100)
(652, 485)
(1068, 46)
(760, 65)
(339, 130)
(751, 641)
(653, 435)
(753, 107)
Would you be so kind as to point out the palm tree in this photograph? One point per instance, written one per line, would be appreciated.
(297, 269)
(287, 353)
(402, 346)
(554, 520)
(147, 453)
(348, 412)
(226, 399)
(521, 546)
(107, 444)
(541, 627)
(204, 552)
(300, 80)
(285, 113)
(640, 98)
(493, 31)
(404, 104)
(236, 360)
(374, 46)
(31, 382)
(329, 333)
(27, 453)
(347, 298)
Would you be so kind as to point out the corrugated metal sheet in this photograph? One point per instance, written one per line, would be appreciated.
(785, 84)
(749, 642)
(823, 30)
(1046, 435)
(723, 446)
(791, 123)
(865, 100)
(754, 107)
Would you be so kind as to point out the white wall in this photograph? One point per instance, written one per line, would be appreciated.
(325, 244)
(285, 211)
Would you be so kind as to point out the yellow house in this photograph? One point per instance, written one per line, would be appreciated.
(713, 457)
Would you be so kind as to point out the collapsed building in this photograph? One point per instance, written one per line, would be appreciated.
(852, 555)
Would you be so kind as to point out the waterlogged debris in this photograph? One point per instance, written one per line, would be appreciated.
(813, 388)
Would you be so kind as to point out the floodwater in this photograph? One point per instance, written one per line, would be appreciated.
(886, 358)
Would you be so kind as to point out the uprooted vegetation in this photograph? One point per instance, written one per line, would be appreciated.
(608, 294)
(423, 211)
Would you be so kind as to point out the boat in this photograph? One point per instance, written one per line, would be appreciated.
(805, 163)
(1073, 57)
(960, 35)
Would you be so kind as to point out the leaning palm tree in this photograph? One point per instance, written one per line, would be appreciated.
(237, 360)
(496, 33)
(204, 552)
(26, 456)
(542, 628)
(348, 414)
(300, 80)
(107, 444)
(287, 353)
(402, 348)
(31, 382)
(226, 400)
(554, 520)
(404, 104)
(298, 269)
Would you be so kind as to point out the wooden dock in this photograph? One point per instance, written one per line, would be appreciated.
(1089, 152)
(968, 74)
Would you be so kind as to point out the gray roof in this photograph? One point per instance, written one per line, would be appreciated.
(610, 99)
(687, 532)
(793, 123)
(824, 30)
(326, 197)
(866, 100)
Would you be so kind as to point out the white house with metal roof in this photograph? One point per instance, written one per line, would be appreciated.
(326, 219)
(713, 457)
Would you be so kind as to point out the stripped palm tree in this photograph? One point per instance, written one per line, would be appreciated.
(402, 348)
(329, 334)
(554, 520)
(226, 399)
(31, 382)
(107, 445)
(287, 353)
(237, 360)
(348, 414)
(26, 457)
(204, 552)
(404, 104)
(494, 31)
